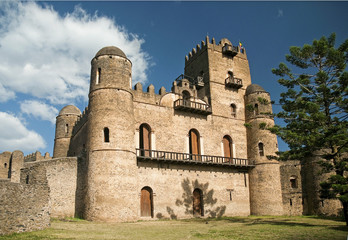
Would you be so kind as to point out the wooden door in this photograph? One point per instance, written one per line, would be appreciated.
(227, 147)
(227, 143)
(194, 144)
(145, 140)
(197, 203)
(146, 203)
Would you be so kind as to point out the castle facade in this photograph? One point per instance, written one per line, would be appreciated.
(200, 149)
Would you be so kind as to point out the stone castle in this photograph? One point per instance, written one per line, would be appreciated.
(200, 149)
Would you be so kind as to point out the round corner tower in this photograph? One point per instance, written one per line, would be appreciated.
(265, 184)
(65, 122)
(110, 145)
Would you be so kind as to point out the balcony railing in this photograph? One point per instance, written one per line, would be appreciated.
(187, 158)
(233, 82)
(191, 106)
(230, 50)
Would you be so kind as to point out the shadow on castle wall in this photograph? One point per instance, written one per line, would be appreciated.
(186, 201)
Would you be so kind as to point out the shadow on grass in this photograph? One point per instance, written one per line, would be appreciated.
(287, 222)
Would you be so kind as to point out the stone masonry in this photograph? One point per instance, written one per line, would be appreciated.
(198, 150)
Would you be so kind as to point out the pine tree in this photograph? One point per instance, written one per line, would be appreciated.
(315, 110)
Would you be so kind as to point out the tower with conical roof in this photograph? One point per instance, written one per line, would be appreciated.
(110, 139)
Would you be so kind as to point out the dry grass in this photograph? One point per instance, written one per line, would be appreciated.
(252, 227)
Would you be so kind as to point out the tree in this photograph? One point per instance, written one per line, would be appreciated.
(315, 110)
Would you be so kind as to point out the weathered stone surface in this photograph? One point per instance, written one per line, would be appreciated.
(25, 207)
(95, 172)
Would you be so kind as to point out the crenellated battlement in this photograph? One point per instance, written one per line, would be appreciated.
(80, 121)
(150, 91)
(36, 156)
(224, 46)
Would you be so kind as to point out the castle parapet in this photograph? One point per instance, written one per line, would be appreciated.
(81, 121)
(224, 46)
(36, 156)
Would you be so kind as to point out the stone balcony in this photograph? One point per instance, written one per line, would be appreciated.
(230, 50)
(192, 106)
(232, 82)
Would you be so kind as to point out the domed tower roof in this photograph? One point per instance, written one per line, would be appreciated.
(252, 88)
(111, 50)
(70, 110)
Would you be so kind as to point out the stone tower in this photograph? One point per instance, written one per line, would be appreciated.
(265, 185)
(110, 146)
(65, 122)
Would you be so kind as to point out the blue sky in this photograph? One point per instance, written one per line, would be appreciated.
(46, 48)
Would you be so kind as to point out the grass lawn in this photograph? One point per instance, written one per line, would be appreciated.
(253, 227)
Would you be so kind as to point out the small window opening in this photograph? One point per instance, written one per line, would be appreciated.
(97, 80)
(322, 203)
(230, 74)
(233, 110)
(290, 202)
(261, 150)
(106, 135)
(293, 182)
(66, 128)
(27, 179)
(230, 195)
(256, 109)
(5, 165)
(245, 180)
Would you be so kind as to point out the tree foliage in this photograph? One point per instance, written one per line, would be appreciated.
(315, 110)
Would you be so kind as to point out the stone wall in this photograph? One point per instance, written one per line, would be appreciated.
(61, 174)
(290, 173)
(311, 179)
(225, 189)
(25, 207)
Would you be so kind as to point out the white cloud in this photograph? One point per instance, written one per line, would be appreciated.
(6, 94)
(48, 56)
(39, 110)
(15, 136)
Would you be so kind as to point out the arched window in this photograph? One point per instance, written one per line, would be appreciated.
(66, 128)
(106, 135)
(261, 150)
(145, 139)
(256, 109)
(198, 202)
(233, 110)
(227, 143)
(194, 144)
(293, 182)
(27, 179)
(146, 202)
(98, 74)
(186, 96)
(230, 74)
(5, 165)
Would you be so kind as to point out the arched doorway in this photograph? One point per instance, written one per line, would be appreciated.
(227, 143)
(186, 98)
(146, 202)
(194, 144)
(145, 140)
(198, 202)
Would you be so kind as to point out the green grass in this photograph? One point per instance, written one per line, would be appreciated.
(253, 227)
